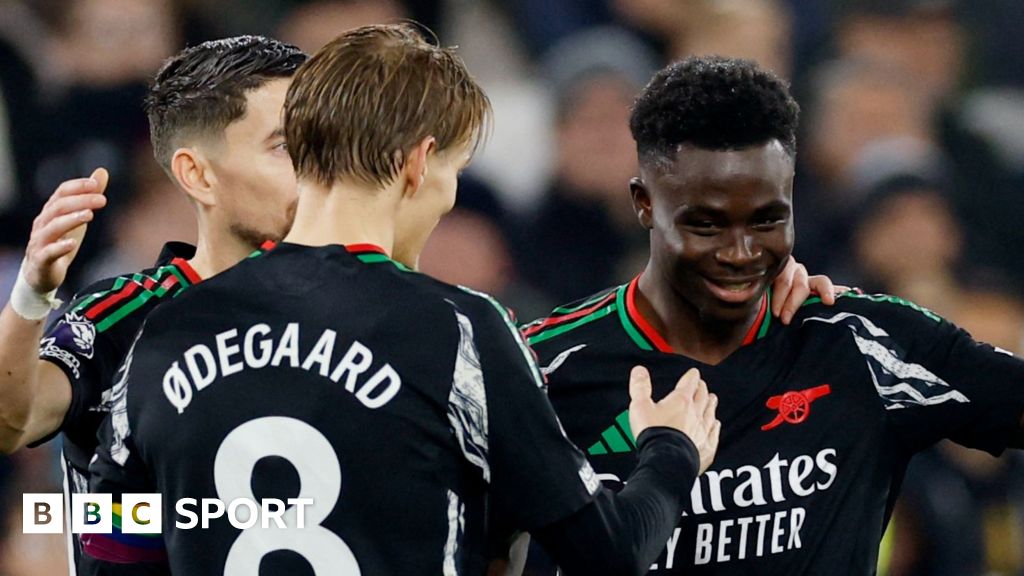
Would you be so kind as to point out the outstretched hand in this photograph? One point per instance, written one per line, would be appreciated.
(689, 408)
(58, 230)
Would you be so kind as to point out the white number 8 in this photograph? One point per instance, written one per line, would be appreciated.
(319, 479)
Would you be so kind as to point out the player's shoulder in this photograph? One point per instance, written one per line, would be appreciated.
(885, 311)
(120, 302)
(581, 321)
(475, 305)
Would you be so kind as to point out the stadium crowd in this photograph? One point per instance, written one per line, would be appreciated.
(909, 177)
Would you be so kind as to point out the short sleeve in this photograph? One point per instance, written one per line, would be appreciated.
(507, 427)
(935, 381)
(88, 357)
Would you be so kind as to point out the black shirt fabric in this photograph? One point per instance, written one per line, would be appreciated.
(819, 421)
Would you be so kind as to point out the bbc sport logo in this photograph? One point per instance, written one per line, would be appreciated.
(143, 513)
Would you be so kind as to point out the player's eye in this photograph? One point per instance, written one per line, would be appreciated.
(702, 227)
(280, 146)
(768, 224)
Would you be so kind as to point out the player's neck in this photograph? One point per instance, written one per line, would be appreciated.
(344, 214)
(683, 327)
(217, 250)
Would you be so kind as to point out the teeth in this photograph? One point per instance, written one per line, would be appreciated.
(737, 287)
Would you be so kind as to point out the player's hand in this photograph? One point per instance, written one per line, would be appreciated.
(792, 287)
(58, 231)
(690, 408)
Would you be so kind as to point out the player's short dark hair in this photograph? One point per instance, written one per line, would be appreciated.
(200, 91)
(714, 103)
(367, 98)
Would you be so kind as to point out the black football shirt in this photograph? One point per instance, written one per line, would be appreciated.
(88, 341)
(338, 375)
(819, 420)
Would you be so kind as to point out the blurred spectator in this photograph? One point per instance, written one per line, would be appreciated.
(920, 38)
(470, 249)
(311, 26)
(670, 21)
(908, 242)
(863, 117)
(758, 30)
(94, 35)
(585, 226)
(96, 119)
(137, 237)
(19, 118)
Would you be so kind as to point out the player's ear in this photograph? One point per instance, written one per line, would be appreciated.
(641, 202)
(414, 171)
(192, 172)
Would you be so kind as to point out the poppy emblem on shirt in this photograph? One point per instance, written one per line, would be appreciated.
(794, 406)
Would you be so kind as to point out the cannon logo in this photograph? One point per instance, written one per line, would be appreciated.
(794, 406)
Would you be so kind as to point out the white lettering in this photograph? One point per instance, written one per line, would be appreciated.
(266, 346)
(670, 548)
(703, 553)
(276, 514)
(289, 346)
(777, 532)
(226, 351)
(724, 539)
(355, 361)
(212, 508)
(752, 485)
(321, 353)
(762, 521)
(796, 522)
(246, 521)
(775, 466)
(827, 467)
(192, 356)
(184, 512)
(177, 388)
(715, 487)
(744, 523)
(799, 470)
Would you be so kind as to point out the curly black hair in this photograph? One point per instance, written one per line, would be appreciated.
(714, 103)
(202, 89)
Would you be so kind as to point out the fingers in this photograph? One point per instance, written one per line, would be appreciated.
(782, 285)
(688, 383)
(63, 225)
(701, 396)
(797, 295)
(55, 251)
(67, 204)
(822, 286)
(101, 176)
(713, 436)
(640, 385)
(74, 187)
(710, 409)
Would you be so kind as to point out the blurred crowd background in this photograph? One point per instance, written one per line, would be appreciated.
(910, 175)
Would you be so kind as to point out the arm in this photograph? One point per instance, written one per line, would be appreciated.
(933, 379)
(623, 533)
(542, 483)
(35, 394)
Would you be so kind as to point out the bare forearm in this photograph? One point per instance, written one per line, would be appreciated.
(19, 369)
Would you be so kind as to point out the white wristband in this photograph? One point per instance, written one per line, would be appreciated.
(28, 303)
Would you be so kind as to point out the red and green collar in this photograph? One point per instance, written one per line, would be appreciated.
(365, 252)
(185, 268)
(647, 337)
